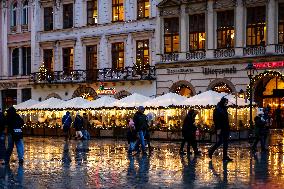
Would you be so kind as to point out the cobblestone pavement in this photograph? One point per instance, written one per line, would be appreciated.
(104, 163)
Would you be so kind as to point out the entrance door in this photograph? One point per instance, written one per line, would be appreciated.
(91, 62)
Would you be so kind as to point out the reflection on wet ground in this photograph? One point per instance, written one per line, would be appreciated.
(104, 163)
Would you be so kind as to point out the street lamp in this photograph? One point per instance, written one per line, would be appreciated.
(250, 72)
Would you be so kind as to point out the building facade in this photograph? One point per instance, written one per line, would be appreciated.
(207, 45)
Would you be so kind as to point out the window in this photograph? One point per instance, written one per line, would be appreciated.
(117, 50)
(197, 33)
(15, 61)
(25, 13)
(142, 54)
(91, 61)
(171, 35)
(14, 15)
(26, 60)
(117, 10)
(92, 12)
(48, 18)
(67, 60)
(48, 59)
(26, 94)
(256, 28)
(67, 16)
(143, 9)
(225, 29)
(281, 23)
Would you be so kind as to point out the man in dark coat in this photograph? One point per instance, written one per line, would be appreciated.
(78, 125)
(188, 133)
(221, 122)
(141, 124)
(15, 134)
(259, 123)
(2, 138)
(66, 122)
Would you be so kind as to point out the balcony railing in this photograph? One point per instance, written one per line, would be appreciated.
(224, 53)
(95, 75)
(169, 57)
(279, 49)
(196, 55)
(254, 51)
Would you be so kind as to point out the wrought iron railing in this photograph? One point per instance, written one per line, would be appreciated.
(172, 57)
(254, 51)
(106, 74)
(196, 55)
(279, 49)
(224, 53)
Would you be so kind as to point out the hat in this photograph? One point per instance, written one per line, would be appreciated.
(141, 108)
(260, 111)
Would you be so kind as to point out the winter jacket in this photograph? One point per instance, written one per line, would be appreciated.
(259, 126)
(221, 119)
(131, 134)
(66, 121)
(2, 122)
(188, 126)
(78, 123)
(14, 123)
(140, 121)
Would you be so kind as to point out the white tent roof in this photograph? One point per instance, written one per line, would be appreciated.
(26, 105)
(169, 99)
(133, 100)
(48, 104)
(77, 102)
(104, 101)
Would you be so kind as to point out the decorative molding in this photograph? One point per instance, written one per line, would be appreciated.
(54, 95)
(182, 83)
(169, 3)
(47, 44)
(173, 11)
(91, 40)
(255, 2)
(6, 85)
(220, 4)
(87, 90)
(196, 8)
(219, 80)
(122, 94)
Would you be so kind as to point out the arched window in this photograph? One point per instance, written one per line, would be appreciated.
(184, 90)
(25, 15)
(14, 15)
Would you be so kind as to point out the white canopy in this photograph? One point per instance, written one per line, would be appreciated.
(133, 100)
(104, 101)
(26, 105)
(47, 104)
(169, 99)
(77, 102)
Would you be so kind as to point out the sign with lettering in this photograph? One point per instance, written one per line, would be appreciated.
(106, 91)
(208, 71)
(264, 65)
(179, 70)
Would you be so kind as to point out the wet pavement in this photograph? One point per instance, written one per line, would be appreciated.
(104, 163)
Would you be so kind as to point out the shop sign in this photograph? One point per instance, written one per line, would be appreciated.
(208, 71)
(264, 65)
(7, 85)
(179, 70)
(106, 91)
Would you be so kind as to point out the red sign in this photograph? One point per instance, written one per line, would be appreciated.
(264, 65)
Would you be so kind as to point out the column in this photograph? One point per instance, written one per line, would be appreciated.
(35, 28)
(183, 31)
(5, 51)
(239, 28)
(78, 56)
(271, 33)
(79, 13)
(210, 29)
(104, 59)
(129, 48)
(57, 58)
(20, 60)
(105, 11)
(19, 96)
(158, 38)
(58, 12)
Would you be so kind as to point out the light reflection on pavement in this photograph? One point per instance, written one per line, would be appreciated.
(104, 163)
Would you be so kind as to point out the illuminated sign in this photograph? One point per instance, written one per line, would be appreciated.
(106, 91)
(208, 71)
(264, 65)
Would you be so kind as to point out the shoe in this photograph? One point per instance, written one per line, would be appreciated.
(21, 161)
(227, 159)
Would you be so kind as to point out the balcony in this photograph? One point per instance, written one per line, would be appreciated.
(96, 75)
(224, 53)
(254, 51)
(279, 49)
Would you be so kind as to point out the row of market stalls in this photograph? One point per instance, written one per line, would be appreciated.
(166, 112)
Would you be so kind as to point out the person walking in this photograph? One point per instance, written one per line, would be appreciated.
(141, 124)
(2, 138)
(131, 136)
(86, 125)
(66, 125)
(259, 132)
(78, 125)
(188, 133)
(221, 122)
(15, 135)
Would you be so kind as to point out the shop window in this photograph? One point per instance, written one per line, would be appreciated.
(222, 88)
(256, 27)
(197, 33)
(225, 29)
(25, 13)
(117, 50)
(143, 9)
(68, 60)
(14, 15)
(48, 18)
(91, 62)
(184, 90)
(26, 60)
(281, 23)
(15, 61)
(142, 54)
(117, 10)
(92, 12)
(171, 35)
(48, 59)
(67, 16)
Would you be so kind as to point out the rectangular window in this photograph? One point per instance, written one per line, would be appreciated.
(92, 12)
(15, 61)
(171, 35)
(91, 62)
(26, 60)
(197, 35)
(256, 27)
(67, 60)
(225, 29)
(26, 94)
(142, 54)
(117, 51)
(48, 18)
(67, 16)
(281, 23)
(25, 12)
(48, 59)
(14, 14)
(143, 9)
(117, 10)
